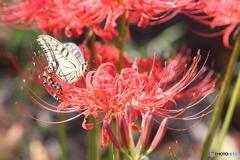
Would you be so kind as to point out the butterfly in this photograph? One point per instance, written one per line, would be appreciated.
(65, 59)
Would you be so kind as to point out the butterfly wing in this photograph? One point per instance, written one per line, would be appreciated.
(74, 49)
(62, 59)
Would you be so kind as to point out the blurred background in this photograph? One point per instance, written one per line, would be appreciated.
(23, 138)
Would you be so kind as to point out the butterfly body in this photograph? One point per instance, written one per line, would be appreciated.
(66, 60)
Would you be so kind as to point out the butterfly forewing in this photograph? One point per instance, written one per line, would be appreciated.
(66, 60)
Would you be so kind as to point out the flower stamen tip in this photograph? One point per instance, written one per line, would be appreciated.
(198, 52)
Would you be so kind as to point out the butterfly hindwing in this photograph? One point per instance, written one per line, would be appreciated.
(73, 48)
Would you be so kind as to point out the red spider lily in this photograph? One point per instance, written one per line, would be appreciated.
(223, 13)
(52, 16)
(74, 15)
(154, 12)
(106, 95)
(165, 71)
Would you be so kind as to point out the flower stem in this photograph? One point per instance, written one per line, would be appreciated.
(92, 48)
(115, 150)
(121, 42)
(93, 134)
(222, 98)
(62, 136)
(229, 115)
(93, 140)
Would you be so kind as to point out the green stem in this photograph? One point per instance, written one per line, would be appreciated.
(93, 140)
(62, 136)
(121, 42)
(92, 49)
(115, 151)
(93, 134)
(229, 114)
(115, 131)
(222, 98)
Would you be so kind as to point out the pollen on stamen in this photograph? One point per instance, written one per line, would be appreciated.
(24, 80)
(134, 66)
(154, 59)
(34, 64)
(30, 71)
(198, 52)
(100, 58)
(171, 151)
(179, 147)
(16, 103)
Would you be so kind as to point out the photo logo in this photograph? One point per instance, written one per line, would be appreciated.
(212, 154)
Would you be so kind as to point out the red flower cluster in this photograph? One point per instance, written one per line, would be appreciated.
(223, 13)
(74, 15)
(146, 87)
(106, 93)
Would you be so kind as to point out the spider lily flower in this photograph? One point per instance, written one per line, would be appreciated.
(223, 13)
(73, 15)
(53, 16)
(105, 95)
(146, 13)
